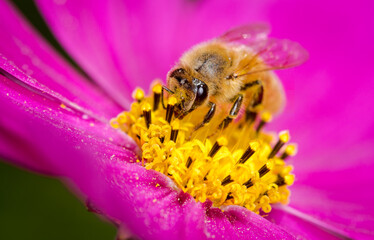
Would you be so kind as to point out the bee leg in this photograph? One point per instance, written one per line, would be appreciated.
(162, 95)
(252, 110)
(208, 116)
(233, 112)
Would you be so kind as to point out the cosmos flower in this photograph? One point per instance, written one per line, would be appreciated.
(55, 121)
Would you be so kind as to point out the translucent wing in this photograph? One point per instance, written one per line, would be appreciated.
(273, 53)
(246, 34)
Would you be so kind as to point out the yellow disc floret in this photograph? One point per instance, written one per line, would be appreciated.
(238, 165)
(138, 94)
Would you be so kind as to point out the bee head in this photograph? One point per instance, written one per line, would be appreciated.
(190, 91)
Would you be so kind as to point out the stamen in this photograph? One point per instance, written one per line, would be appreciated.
(174, 135)
(265, 118)
(248, 183)
(210, 164)
(138, 95)
(290, 150)
(189, 162)
(222, 141)
(264, 169)
(227, 180)
(174, 131)
(157, 89)
(286, 180)
(252, 148)
(229, 196)
(170, 109)
(284, 137)
(147, 114)
(289, 179)
(280, 181)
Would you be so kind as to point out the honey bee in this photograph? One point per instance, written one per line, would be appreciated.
(234, 68)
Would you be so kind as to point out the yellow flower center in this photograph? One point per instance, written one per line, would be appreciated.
(241, 165)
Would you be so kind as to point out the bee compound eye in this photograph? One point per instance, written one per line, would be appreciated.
(201, 93)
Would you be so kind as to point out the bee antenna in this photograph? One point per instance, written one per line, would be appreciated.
(167, 89)
(162, 95)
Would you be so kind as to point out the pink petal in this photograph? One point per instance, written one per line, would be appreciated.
(26, 145)
(21, 44)
(302, 228)
(126, 44)
(149, 205)
(84, 29)
(329, 106)
(342, 199)
(329, 110)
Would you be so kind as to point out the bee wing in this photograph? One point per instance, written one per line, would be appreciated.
(246, 34)
(274, 54)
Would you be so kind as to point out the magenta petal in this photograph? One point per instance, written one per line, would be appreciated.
(149, 205)
(239, 223)
(85, 30)
(329, 110)
(340, 199)
(123, 44)
(25, 48)
(23, 106)
(301, 228)
(329, 107)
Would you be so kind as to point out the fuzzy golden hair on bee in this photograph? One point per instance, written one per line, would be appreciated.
(237, 66)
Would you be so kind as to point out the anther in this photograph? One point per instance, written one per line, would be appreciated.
(284, 137)
(248, 183)
(252, 148)
(174, 131)
(189, 162)
(206, 176)
(226, 180)
(289, 151)
(265, 118)
(157, 89)
(174, 135)
(289, 179)
(229, 196)
(280, 181)
(286, 180)
(138, 95)
(170, 109)
(147, 114)
(217, 145)
(264, 169)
